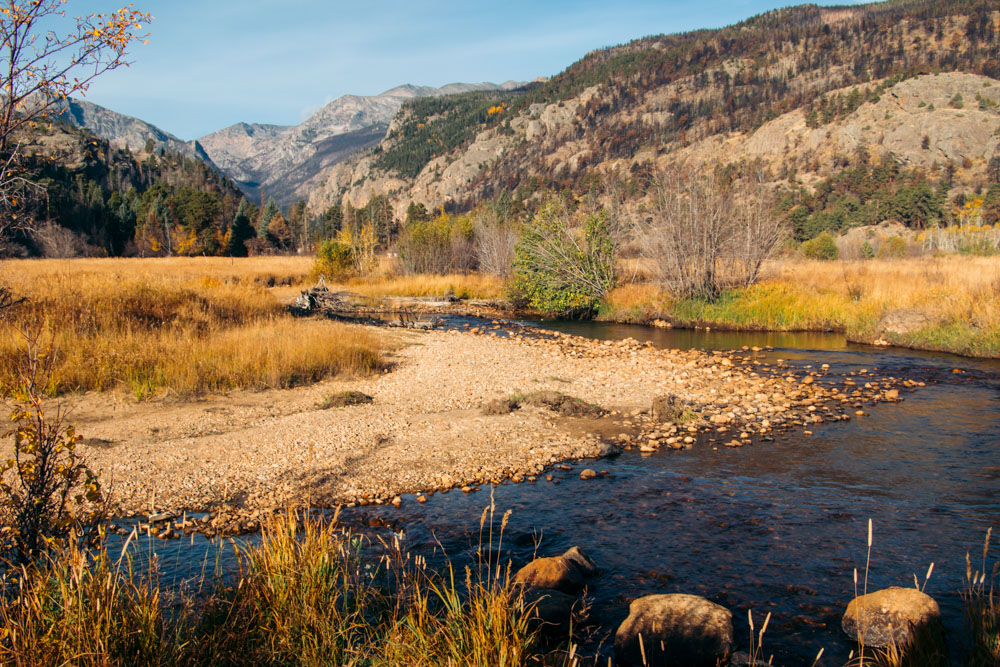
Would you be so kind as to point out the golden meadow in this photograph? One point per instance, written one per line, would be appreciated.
(181, 326)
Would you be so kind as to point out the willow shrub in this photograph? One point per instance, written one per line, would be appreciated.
(564, 269)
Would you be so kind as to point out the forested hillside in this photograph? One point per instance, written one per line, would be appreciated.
(646, 100)
(95, 199)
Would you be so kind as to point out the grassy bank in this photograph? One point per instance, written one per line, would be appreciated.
(302, 597)
(185, 326)
(950, 303)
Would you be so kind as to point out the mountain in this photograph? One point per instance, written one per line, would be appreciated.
(124, 131)
(282, 161)
(803, 91)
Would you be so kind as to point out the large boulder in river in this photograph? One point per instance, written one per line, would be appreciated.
(561, 573)
(675, 631)
(892, 617)
(555, 573)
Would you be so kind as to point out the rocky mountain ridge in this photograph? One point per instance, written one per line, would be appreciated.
(278, 160)
(125, 132)
(282, 161)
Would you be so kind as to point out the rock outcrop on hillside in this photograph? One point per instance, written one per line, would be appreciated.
(915, 120)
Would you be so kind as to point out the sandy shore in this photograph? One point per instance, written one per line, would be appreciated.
(426, 431)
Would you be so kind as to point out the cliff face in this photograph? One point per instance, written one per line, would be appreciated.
(283, 161)
(801, 90)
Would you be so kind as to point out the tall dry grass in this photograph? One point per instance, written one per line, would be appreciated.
(185, 327)
(266, 271)
(982, 610)
(305, 595)
(958, 296)
(83, 610)
(460, 285)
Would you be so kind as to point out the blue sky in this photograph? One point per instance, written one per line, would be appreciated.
(212, 63)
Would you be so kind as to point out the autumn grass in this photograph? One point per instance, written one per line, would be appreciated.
(264, 271)
(460, 285)
(959, 296)
(306, 594)
(84, 611)
(154, 326)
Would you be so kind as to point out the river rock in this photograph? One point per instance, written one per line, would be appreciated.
(556, 573)
(588, 474)
(676, 630)
(584, 564)
(550, 611)
(893, 616)
(607, 450)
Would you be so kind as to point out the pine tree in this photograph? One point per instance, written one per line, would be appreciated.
(416, 213)
(241, 232)
(267, 213)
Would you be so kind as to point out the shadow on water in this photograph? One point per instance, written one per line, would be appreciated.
(774, 527)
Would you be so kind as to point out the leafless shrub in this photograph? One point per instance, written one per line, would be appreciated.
(58, 242)
(756, 231)
(704, 234)
(463, 253)
(495, 238)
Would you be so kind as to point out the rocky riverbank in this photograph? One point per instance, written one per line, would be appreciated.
(427, 429)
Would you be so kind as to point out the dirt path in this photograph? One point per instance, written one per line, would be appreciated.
(426, 431)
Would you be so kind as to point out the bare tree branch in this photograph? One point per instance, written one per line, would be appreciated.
(705, 235)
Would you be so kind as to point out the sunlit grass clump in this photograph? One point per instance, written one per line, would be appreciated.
(459, 285)
(982, 610)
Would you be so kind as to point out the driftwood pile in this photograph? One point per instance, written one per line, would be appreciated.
(357, 308)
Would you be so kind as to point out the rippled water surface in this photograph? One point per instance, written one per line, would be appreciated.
(774, 527)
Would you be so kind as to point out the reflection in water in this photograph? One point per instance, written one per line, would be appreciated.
(775, 527)
(700, 339)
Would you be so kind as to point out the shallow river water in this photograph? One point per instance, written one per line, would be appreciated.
(777, 527)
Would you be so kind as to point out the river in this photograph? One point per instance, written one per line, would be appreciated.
(777, 527)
